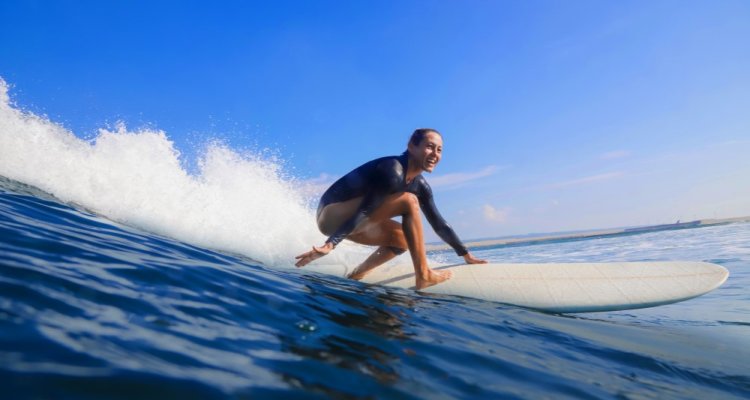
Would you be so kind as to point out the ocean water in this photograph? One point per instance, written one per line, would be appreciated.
(124, 274)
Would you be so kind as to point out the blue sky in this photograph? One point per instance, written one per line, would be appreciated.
(556, 115)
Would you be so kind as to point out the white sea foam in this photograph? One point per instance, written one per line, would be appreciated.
(241, 203)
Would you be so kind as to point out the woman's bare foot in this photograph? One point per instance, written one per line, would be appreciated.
(433, 278)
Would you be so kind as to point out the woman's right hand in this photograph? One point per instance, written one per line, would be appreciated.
(314, 254)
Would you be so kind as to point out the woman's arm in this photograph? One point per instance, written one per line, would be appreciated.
(441, 227)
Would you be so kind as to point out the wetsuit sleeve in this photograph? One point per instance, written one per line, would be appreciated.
(438, 223)
(382, 180)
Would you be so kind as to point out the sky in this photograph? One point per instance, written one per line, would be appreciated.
(555, 115)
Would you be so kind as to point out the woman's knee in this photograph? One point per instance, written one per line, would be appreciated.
(411, 200)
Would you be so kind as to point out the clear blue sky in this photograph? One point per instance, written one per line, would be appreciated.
(556, 115)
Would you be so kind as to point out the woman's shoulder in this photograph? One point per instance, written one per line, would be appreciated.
(389, 164)
(420, 186)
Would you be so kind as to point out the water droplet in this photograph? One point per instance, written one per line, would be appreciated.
(307, 326)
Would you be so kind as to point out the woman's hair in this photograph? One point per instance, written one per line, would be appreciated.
(419, 134)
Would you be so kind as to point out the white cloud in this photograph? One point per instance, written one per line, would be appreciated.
(586, 180)
(735, 142)
(613, 155)
(456, 180)
(495, 215)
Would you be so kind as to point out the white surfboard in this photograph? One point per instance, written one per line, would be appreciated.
(569, 288)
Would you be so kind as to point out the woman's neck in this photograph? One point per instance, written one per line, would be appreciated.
(412, 169)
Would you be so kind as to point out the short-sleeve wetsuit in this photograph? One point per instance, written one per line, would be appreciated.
(375, 180)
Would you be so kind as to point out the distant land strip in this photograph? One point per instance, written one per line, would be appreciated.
(589, 234)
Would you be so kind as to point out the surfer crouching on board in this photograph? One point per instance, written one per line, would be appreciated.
(360, 205)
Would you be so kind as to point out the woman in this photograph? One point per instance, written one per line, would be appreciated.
(360, 205)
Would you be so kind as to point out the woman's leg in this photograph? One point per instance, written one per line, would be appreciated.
(388, 235)
(332, 216)
(379, 230)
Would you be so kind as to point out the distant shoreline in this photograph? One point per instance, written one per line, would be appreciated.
(480, 244)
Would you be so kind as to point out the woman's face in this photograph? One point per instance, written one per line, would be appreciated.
(427, 154)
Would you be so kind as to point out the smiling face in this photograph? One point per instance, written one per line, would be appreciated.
(428, 152)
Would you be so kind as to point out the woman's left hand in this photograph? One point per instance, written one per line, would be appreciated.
(316, 252)
(470, 259)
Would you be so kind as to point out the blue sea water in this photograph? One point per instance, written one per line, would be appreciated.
(91, 308)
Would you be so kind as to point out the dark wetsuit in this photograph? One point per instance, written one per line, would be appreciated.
(375, 180)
